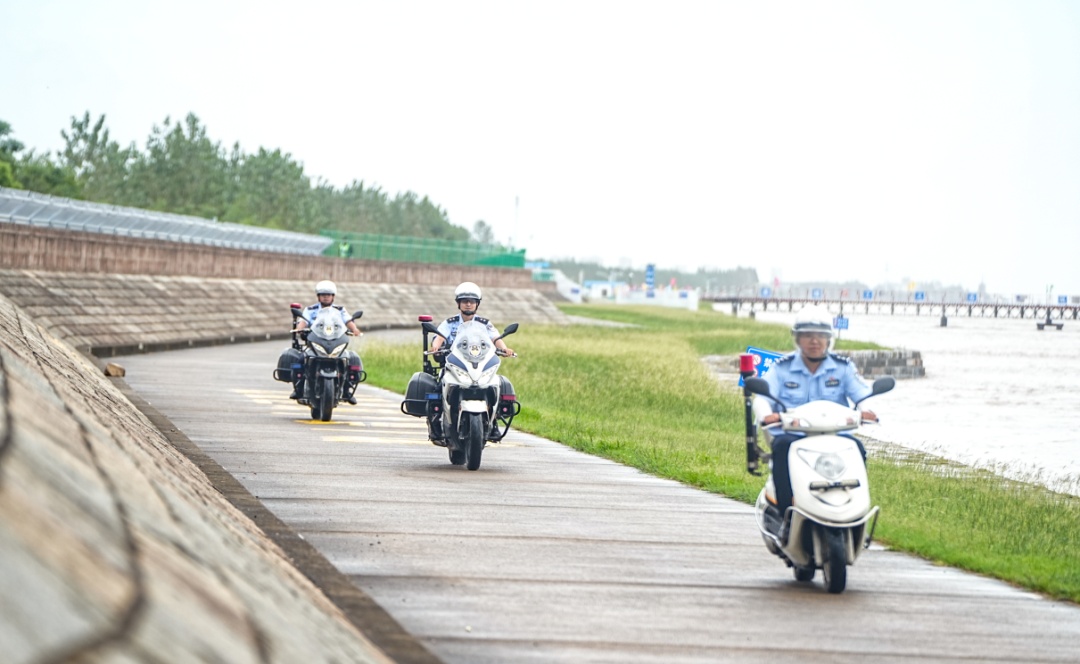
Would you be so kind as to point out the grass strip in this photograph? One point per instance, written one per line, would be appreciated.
(641, 396)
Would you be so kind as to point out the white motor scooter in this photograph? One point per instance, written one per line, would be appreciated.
(826, 527)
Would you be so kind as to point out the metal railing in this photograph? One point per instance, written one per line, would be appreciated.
(372, 246)
(31, 208)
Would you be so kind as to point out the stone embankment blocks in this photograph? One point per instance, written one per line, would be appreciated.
(115, 547)
(896, 363)
(109, 314)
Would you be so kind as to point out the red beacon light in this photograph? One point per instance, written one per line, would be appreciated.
(295, 305)
(747, 365)
(424, 318)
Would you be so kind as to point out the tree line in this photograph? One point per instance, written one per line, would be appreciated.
(181, 170)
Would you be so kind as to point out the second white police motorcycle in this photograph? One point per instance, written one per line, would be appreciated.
(832, 518)
(468, 403)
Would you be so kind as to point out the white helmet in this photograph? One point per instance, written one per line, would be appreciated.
(813, 318)
(325, 288)
(467, 290)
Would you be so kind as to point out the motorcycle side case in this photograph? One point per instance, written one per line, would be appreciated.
(422, 390)
(355, 367)
(290, 361)
(507, 407)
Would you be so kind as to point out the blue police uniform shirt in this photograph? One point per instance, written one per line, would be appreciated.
(311, 312)
(449, 327)
(836, 380)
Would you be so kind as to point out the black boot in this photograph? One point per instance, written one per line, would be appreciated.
(351, 399)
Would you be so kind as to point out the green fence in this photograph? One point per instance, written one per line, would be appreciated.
(370, 246)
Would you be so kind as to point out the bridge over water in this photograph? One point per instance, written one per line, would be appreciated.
(1034, 311)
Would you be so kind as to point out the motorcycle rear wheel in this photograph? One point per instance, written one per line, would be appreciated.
(474, 442)
(834, 567)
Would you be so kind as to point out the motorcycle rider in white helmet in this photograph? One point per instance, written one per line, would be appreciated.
(325, 291)
(811, 373)
(468, 298)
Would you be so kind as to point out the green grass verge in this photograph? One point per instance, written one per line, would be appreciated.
(641, 396)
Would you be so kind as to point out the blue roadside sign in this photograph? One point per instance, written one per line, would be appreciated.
(816, 293)
(650, 275)
(920, 296)
(868, 295)
(766, 291)
(972, 297)
(840, 322)
(763, 360)
(1063, 299)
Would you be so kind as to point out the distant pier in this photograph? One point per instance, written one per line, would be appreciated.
(1047, 313)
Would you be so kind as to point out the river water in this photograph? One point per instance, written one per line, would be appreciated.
(998, 393)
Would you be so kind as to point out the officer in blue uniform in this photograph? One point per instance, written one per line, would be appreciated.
(468, 299)
(325, 291)
(811, 373)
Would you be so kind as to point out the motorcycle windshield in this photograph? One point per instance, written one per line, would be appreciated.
(473, 344)
(328, 324)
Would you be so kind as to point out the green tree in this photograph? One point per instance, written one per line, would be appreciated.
(100, 165)
(182, 171)
(39, 173)
(8, 147)
(269, 189)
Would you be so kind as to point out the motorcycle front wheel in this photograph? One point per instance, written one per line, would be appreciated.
(474, 442)
(326, 399)
(834, 567)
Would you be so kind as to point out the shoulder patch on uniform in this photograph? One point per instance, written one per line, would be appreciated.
(840, 358)
(453, 319)
(338, 307)
(482, 321)
(787, 358)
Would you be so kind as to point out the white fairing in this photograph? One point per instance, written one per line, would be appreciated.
(836, 504)
(829, 483)
(326, 337)
(472, 362)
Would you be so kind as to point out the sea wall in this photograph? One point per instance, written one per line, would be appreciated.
(116, 547)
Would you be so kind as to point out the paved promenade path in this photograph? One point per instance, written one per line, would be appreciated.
(549, 555)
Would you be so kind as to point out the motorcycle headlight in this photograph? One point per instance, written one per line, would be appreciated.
(333, 352)
(827, 464)
(457, 371)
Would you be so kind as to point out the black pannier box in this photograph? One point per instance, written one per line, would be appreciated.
(422, 390)
(289, 361)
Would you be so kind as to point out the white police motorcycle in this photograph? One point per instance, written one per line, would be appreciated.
(827, 526)
(469, 404)
(321, 362)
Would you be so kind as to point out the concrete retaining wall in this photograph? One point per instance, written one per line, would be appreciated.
(52, 250)
(115, 547)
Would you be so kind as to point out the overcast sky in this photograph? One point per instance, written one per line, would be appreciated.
(876, 141)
